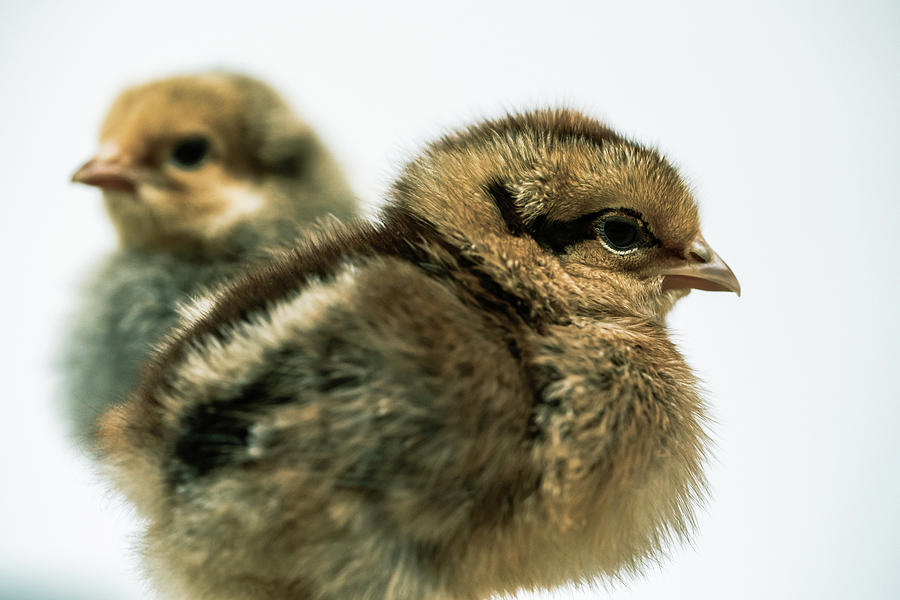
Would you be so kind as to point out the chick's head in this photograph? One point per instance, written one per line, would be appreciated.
(615, 215)
(184, 160)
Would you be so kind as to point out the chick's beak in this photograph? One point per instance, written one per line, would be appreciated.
(107, 171)
(701, 269)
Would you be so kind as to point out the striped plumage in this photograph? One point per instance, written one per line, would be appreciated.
(474, 395)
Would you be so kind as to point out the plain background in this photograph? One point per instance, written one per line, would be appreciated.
(784, 116)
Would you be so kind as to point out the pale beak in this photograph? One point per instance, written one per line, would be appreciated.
(110, 169)
(702, 269)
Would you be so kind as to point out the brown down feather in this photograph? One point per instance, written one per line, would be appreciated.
(472, 396)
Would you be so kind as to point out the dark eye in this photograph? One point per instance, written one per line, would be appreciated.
(620, 233)
(190, 153)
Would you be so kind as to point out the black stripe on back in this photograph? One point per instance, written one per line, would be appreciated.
(213, 428)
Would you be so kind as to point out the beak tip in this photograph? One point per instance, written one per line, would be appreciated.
(702, 270)
(78, 175)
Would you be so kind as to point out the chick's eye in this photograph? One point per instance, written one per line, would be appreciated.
(620, 233)
(190, 153)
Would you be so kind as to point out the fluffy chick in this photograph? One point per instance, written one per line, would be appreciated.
(200, 174)
(476, 395)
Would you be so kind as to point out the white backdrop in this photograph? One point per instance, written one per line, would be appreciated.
(785, 118)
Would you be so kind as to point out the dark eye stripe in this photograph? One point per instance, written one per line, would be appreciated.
(558, 235)
(506, 204)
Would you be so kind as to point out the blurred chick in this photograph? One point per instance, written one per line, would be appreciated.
(200, 174)
(476, 395)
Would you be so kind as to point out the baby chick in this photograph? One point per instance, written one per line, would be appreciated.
(199, 173)
(473, 396)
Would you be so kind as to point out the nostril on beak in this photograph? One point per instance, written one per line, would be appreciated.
(699, 251)
(698, 256)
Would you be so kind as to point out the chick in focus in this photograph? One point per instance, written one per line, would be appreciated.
(200, 174)
(473, 396)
